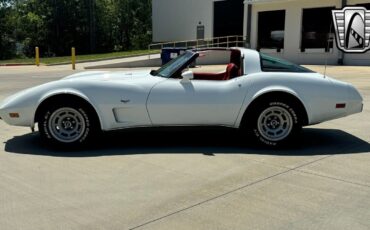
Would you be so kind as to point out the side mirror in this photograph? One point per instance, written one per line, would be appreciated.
(153, 72)
(187, 76)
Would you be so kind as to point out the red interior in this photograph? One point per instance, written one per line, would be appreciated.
(209, 76)
(232, 70)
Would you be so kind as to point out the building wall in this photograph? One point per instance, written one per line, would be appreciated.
(293, 25)
(177, 20)
(293, 22)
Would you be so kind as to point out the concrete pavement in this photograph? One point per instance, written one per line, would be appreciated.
(163, 179)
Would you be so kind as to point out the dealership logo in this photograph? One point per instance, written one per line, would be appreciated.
(352, 29)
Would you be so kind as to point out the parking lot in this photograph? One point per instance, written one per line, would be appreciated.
(165, 179)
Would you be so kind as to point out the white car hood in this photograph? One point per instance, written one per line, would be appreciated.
(91, 76)
(108, 75)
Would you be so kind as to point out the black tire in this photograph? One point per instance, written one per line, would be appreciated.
(275, 123)
(68, 124)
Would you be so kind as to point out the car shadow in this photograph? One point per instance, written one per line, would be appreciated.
(207, 142)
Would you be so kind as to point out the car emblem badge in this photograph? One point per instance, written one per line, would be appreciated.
(352, 29)
(125, 101)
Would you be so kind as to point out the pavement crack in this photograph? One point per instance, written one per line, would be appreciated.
(229, 192)
(314, 174)
(334, 178)
(298, 169)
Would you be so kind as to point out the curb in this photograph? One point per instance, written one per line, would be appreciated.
(98, 60)
(10, 64)
(77, 62)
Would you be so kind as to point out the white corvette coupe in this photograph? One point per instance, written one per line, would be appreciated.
(270, 98)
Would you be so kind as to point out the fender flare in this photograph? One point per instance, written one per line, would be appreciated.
(271, 89)
(66, 91)
(266, 90)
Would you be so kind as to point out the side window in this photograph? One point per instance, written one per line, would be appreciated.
(218, 65)
(272, 64)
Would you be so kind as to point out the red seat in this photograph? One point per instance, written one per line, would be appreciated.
(232, 71)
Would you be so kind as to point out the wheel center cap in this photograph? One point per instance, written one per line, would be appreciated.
(274, 123)
(67, 124)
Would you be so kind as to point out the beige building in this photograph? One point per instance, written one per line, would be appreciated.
(297, 30)
(307, 28)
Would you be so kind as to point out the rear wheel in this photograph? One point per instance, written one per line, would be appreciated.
(275, 123)
(68, 124)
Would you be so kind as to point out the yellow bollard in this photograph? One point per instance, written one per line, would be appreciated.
(73, 58)
(37, 56)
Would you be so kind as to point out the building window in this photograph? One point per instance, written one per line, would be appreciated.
(316, 27)
(271, 25)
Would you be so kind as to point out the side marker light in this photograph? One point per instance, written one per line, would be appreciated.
(14, 115)
(340, 106)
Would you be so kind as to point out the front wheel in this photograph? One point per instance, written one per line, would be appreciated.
(67, 125)
(275, 123)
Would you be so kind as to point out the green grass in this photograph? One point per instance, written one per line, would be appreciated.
(79, 58)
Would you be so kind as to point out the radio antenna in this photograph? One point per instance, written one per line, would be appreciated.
(328, 48)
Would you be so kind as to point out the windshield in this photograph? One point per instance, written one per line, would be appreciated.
(273, 64)
(175, 65)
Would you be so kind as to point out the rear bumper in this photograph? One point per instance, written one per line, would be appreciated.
(354, 107)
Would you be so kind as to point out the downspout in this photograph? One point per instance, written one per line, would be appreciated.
(249, 24)
(341, 53)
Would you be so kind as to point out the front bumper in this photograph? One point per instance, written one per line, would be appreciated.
(25, 118)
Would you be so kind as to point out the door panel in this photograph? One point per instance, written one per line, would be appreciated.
(198, 102)
(123, 103)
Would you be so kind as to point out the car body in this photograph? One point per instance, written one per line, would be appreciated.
(172, 96)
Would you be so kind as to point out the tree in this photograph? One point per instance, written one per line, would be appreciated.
(89, 25)
(7, 41)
